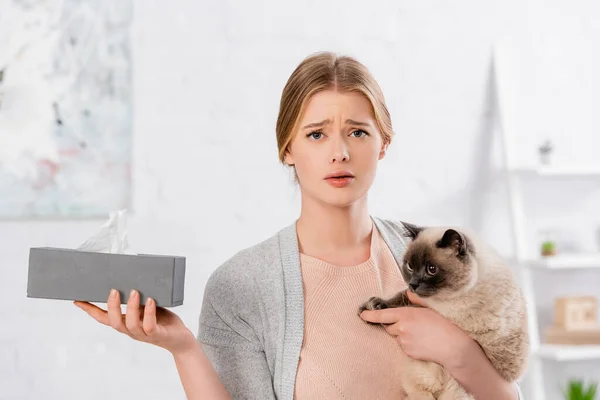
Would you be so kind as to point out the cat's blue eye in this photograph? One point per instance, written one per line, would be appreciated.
(316, 135)
(359, 133)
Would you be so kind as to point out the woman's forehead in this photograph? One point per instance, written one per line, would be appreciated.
(328, 104)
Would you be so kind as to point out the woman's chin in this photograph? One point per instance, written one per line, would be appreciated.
(343, 201)
(344, 197)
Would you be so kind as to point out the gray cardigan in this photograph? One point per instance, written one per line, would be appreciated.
(252, 317)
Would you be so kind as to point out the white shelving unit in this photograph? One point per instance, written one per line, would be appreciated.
(569, 171)
(514, 174)
(557, 352)
(570, 261)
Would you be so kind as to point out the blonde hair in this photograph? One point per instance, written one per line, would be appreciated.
(324, 71)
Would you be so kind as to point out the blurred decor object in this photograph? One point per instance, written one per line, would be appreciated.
(549, 240)
(548, 248)
(575, 321)
(576, 312)
(576, 390)
(545, 152)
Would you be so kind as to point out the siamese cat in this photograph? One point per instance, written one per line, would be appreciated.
(467, 282)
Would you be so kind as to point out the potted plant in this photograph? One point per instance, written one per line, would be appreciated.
(576, 390)
(548, 248)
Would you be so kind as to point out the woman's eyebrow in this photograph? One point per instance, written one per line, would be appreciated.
(327, 121)
(353, 122)
(317, 124)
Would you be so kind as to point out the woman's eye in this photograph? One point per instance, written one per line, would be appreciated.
(315, 135)
(359, 133)
(431, 269)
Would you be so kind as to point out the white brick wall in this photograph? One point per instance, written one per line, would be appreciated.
(208, 76)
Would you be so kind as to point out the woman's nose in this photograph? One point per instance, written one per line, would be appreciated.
(339, 152)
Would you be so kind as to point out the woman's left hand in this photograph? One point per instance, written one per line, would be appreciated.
(423, 333)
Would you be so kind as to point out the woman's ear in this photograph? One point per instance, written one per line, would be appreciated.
(383, 150)
(289, 160)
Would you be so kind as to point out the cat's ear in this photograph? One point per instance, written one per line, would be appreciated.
(411, 230)
(453, 239)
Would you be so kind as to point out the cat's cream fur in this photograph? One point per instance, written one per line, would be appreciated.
(487, 304)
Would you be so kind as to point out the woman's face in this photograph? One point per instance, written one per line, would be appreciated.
(336, 148)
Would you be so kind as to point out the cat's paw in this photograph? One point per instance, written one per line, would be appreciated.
(374, 303)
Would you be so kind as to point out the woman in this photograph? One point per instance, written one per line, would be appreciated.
(279, 319)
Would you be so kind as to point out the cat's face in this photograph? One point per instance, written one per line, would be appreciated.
(438, 262)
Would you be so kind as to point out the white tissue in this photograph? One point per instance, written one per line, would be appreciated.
(111, 237)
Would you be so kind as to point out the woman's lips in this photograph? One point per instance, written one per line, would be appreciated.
(340, 182)
(340, 179)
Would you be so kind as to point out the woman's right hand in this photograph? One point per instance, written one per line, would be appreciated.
(148, 323)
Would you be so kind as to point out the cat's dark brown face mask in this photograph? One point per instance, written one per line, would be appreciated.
(438, 262)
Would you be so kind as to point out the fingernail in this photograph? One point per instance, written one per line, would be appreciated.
(132, 293)
(148, 301)
(113, 293)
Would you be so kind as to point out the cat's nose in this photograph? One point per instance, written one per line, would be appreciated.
(413, 286)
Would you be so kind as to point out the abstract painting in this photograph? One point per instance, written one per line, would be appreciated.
(65, 107)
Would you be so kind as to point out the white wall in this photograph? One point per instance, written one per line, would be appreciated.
(206, 181)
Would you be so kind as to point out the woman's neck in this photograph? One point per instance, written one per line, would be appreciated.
(326, 229)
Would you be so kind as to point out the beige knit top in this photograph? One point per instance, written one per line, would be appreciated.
(342, 356)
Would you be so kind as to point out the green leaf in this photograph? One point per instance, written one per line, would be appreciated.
(576, 390)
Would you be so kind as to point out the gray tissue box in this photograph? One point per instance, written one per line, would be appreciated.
(66, 274)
